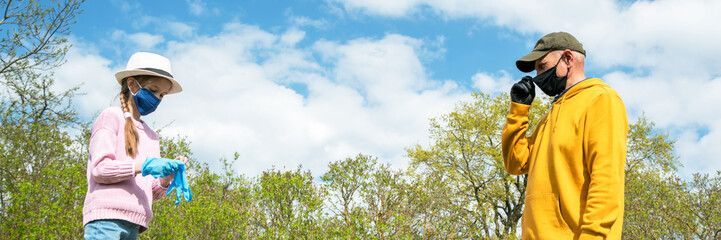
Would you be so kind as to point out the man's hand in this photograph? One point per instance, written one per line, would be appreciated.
(523, 91)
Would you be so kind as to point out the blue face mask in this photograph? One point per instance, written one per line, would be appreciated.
(145, 100)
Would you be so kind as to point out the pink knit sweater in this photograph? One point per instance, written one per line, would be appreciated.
(114, 192)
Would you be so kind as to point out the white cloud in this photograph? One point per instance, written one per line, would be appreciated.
(258, 93)
(124, 6)
(382, 67)
(302, 21)
(700, 151)
(196, 7)
(292, 36)
(667, 48)
(94, 74)
(165, 26)
(139, 18)
(368, 96)
(642, 34)
(200, 8)
(686, 106)
(140, 40)
(396, 8)
(492, 84)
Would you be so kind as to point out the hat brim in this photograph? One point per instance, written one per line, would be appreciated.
(528, 63)
(174, 88)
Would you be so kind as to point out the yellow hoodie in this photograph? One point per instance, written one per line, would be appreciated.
(575, 164)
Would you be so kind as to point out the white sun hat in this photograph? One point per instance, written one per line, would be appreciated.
(145, 63)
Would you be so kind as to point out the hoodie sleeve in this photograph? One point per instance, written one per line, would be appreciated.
(516, 146)
(605, 143)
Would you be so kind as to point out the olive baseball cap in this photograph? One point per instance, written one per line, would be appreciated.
(550, 42)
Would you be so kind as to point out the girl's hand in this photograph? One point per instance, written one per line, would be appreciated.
(181, 157)
(165, 181)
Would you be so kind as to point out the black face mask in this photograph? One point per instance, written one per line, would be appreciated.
(549, 83)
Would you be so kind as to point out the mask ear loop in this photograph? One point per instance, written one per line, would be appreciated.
(556, 66)
(568, 65)
(139, 87)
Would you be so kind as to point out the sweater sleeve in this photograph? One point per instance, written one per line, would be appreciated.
(605, 140)
(158, 190)
(105, 166)
(516, 146)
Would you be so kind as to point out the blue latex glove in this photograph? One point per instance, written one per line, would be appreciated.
(160, 167)
(181, 183)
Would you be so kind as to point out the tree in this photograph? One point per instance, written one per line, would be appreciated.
(291, 205)
(223, 206)
(653, 207)
(434, 208)
(370, 200)
(386, 201)
(704, 204)
(34, 36)
(465, 153)
(41, 194)
(649, 150)
(344, 181)
(653, 191)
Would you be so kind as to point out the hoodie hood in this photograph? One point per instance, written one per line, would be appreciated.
(569, 95)
(577, 88)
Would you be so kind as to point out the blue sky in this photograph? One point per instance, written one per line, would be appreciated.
(476, 46)
(288, 83)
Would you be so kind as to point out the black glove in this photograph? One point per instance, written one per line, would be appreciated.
(523, 91)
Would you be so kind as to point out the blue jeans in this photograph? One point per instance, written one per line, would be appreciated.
(111, 229)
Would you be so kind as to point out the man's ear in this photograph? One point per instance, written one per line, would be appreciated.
(568, 56)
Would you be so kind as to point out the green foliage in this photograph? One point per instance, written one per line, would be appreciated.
(654, 195)
(653, 207)
(466, 153)
(660, 207)
(222, 208)
(649, 150)
(277, 205)
(42, 185)
(343, 183)
(456, 188)
(46, 192)
(704, 206)
(436, 213)
(386, 203)
(291, 204)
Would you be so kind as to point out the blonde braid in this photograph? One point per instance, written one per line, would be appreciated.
(131, 134)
